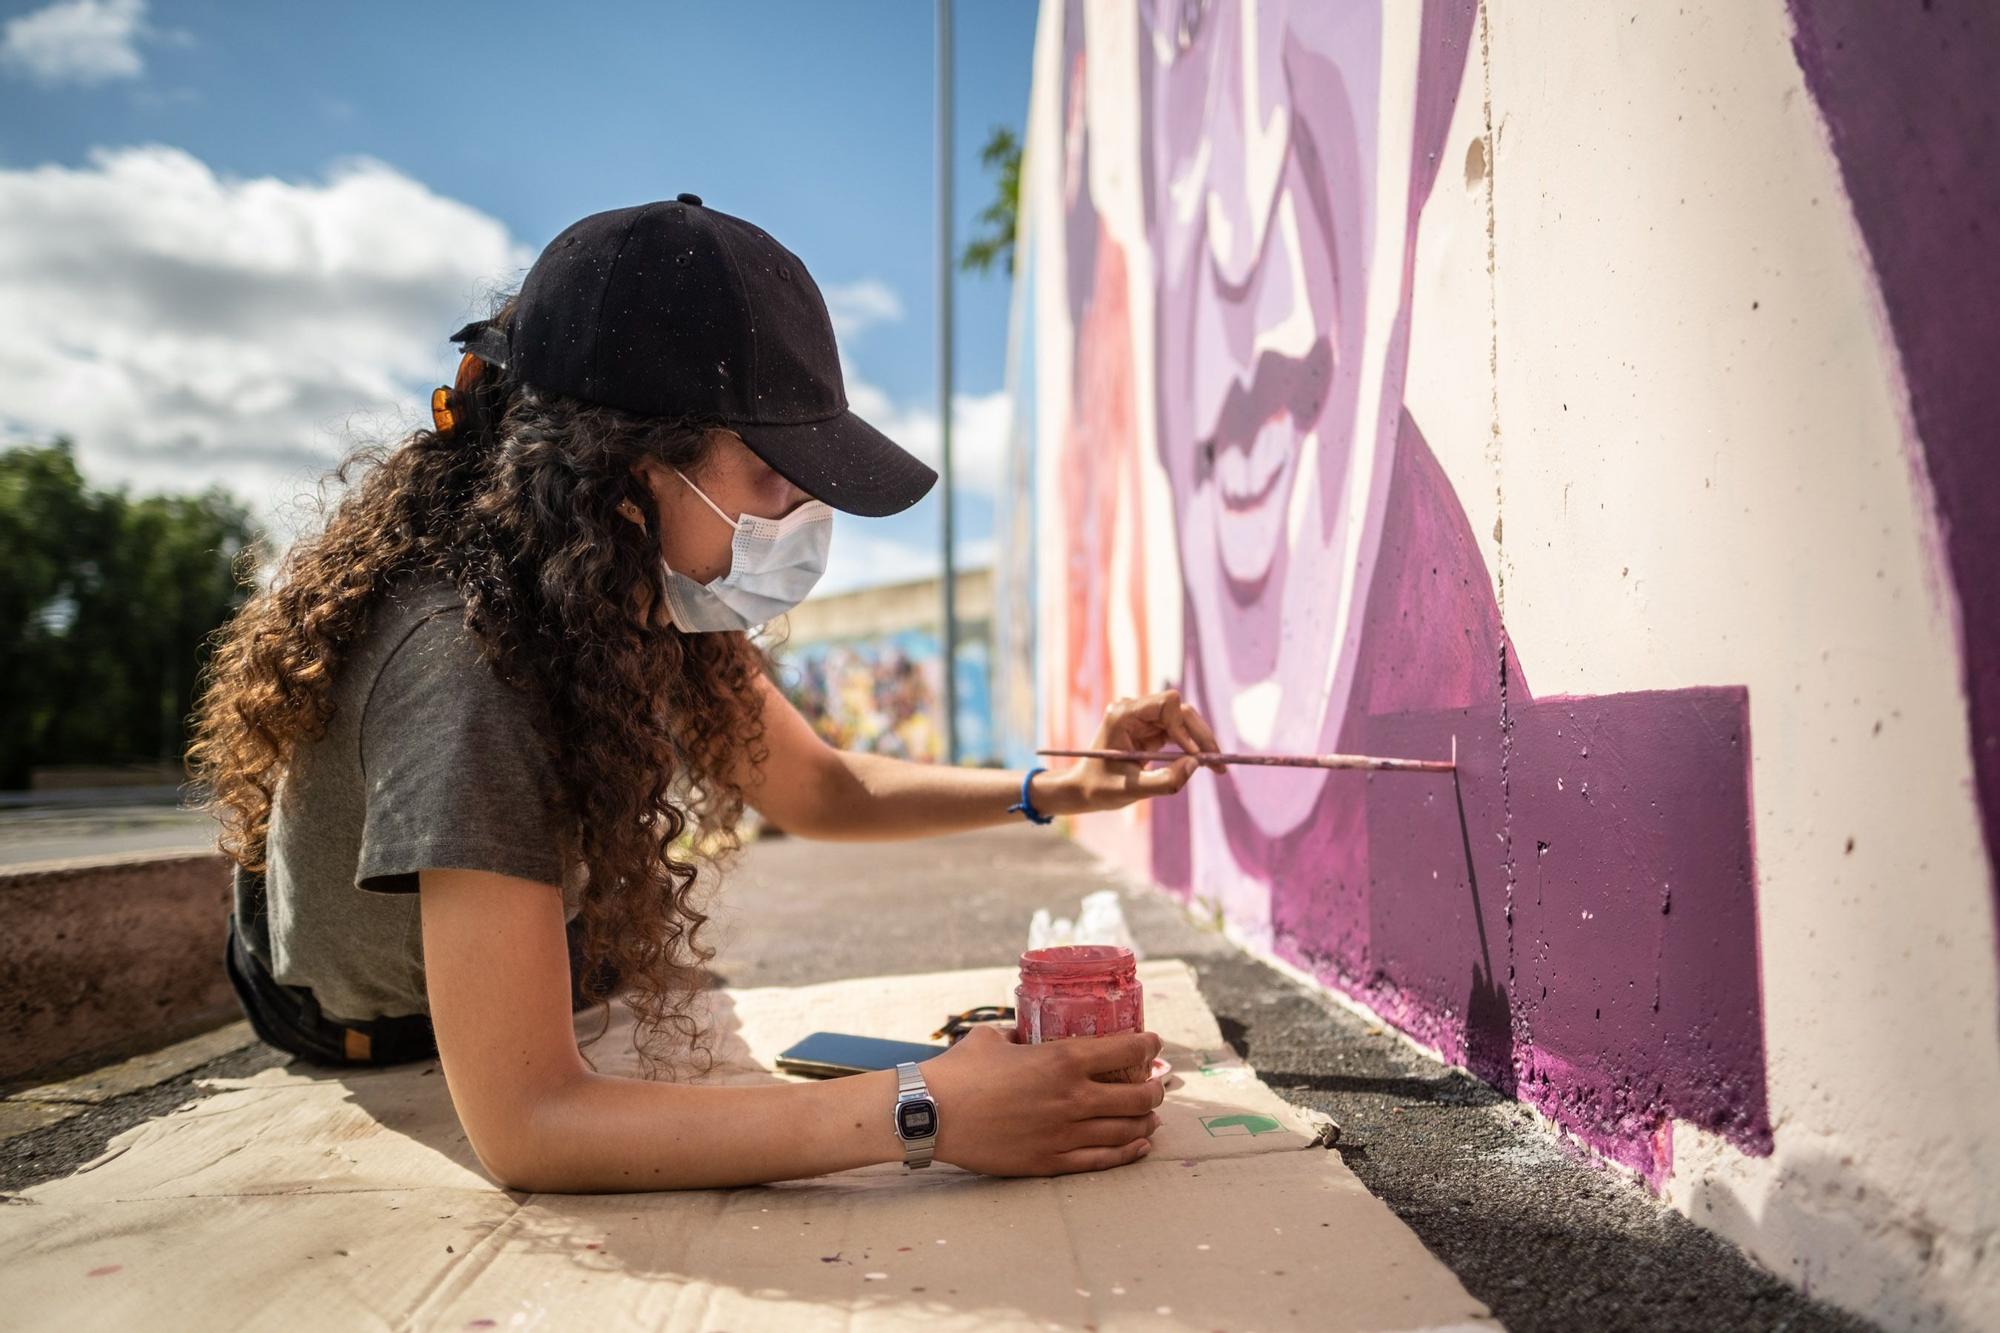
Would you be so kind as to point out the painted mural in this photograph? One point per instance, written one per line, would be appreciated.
(881, 694)
(1565, 385)
(1332, 599)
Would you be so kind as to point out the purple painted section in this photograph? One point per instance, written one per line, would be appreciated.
(1911, 101)
(1634, 873)
(1574, 918)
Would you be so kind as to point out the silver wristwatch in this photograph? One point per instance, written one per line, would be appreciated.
(916, 1115)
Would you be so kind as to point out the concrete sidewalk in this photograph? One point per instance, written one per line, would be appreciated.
(97, 821)
(1546, 1240)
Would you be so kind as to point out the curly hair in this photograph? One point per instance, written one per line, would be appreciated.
(517, 505)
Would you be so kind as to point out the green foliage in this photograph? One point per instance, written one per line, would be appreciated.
(106, 605)
(1002, 154)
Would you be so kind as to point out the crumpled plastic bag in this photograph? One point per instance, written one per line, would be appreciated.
(1099, 920)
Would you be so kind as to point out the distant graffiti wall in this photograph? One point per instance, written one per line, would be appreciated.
(1609, 395)
(882, 693)
(864, 666)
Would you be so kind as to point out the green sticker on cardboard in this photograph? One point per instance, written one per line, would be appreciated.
(1219, 1126)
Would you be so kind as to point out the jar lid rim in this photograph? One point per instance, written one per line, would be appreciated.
(1078, 958)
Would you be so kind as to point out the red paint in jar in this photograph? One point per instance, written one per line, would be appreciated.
(1078, 990)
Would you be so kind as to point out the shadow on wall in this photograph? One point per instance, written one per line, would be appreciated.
(1828, 1211)
(1573, 915)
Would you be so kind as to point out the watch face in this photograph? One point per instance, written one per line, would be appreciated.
(916, 1119)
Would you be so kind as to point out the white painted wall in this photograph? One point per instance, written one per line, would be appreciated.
(1706, 472)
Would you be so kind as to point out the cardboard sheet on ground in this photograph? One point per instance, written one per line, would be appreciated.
(312, 1198)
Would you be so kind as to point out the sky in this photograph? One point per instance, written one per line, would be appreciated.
(235, 236)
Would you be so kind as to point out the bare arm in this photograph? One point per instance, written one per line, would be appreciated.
(810, 788)
(497, 972)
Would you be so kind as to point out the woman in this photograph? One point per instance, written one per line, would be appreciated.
(472, 744)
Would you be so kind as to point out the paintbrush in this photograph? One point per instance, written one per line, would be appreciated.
(1367, 761)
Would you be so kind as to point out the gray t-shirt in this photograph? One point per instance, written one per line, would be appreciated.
(429, 760)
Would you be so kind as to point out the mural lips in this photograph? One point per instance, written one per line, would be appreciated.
(1250, 457)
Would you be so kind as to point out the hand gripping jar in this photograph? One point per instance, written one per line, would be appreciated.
(1078, 990)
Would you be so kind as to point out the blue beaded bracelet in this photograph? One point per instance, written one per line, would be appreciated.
(1026, 806)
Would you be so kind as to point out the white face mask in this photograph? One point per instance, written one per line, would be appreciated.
(774, 563)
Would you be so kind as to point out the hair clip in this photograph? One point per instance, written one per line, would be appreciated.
(442, 416)
(484, 339)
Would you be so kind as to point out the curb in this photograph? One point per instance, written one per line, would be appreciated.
(51, 1103)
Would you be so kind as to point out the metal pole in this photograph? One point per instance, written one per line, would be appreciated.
(944, 273)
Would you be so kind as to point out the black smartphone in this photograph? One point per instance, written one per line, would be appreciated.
(832, 1054)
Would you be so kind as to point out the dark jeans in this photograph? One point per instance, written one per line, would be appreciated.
(289, 1018)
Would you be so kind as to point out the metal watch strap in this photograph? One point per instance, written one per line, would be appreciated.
(910, 1086)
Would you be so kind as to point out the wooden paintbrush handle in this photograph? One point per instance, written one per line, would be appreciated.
(1273, 760)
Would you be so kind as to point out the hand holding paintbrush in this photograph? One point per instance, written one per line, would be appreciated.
(1112, 772)
(1101, 779)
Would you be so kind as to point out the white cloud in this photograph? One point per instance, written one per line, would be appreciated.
(187, 328)
(77, 41)
(978, 432)
(854, 306)
(978, 421)
(869, 551)
(860, 558)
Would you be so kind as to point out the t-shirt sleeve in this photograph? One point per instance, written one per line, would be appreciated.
(453, 772)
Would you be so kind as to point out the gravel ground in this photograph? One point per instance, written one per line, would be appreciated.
(1546, 1238)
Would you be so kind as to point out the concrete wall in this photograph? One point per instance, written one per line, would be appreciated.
(888, 608)
(1607, 389)
(108, 956)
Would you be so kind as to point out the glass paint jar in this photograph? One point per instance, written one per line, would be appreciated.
(1078, 990)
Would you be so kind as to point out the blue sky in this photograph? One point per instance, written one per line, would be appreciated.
(190, 191)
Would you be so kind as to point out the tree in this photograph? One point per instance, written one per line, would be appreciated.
(1002, 154)
(106, 603)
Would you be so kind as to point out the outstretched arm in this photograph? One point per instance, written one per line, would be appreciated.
(810, 788)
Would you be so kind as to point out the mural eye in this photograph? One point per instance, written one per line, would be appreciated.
(1192, 14)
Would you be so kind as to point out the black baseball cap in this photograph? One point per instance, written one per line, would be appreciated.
(672, 309)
